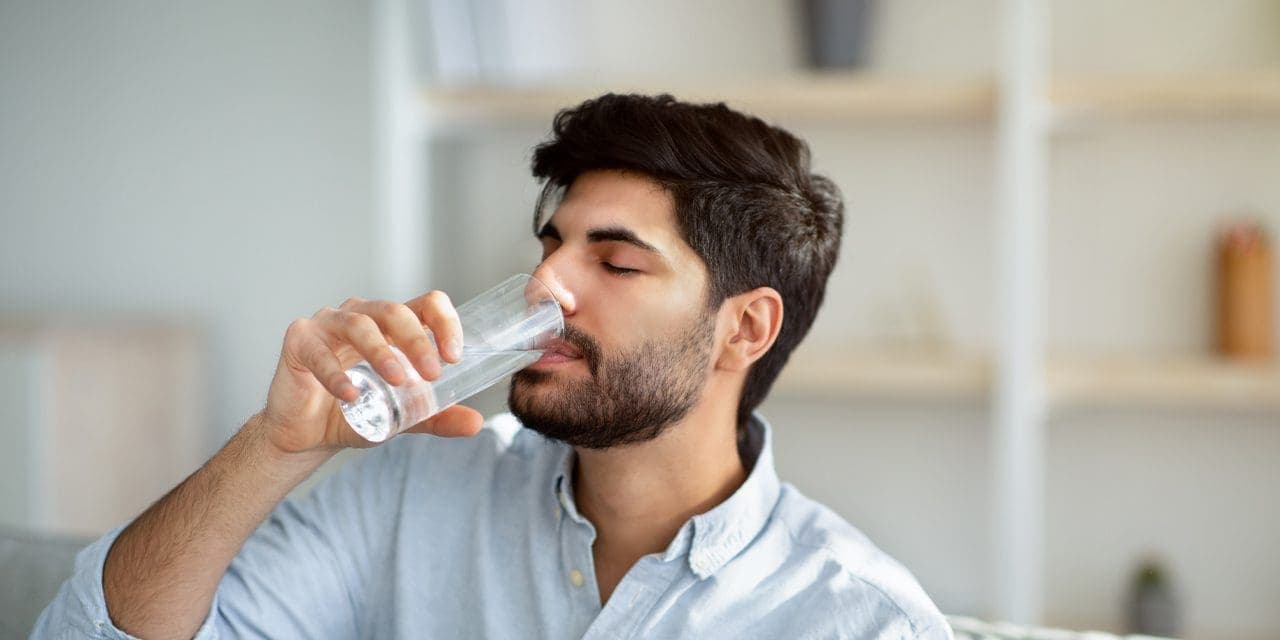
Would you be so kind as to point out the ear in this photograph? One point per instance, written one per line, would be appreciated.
(753, 319)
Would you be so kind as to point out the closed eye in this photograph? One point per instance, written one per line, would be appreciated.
(616, 270)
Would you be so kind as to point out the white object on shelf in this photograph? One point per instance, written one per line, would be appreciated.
(98, 421)
(451, 38)
(485, 41)
(542, 38)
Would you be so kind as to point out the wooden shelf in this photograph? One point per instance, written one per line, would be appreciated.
(1071, 382)
(1164, 383)
(802, 97)
(858, 97)
(1255, 93)
(904, 375)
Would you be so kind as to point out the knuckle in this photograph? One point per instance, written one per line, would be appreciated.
(438, 298)
(297, 329)
(299, 324)
(350, 302)
(401, 312)
(357, 321)
(386, 309)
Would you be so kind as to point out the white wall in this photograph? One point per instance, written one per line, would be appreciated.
(913, 479)
(200, 160)
(1194, 489)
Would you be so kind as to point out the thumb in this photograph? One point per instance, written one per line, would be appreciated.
(455, 422)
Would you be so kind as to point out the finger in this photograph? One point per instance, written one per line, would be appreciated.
(405, 329)
(437, 312)
(365, 336)
(316, 356)
(455, 422)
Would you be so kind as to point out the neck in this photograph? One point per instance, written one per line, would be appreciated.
(638, 496)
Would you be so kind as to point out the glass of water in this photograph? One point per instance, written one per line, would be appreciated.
(504, 329)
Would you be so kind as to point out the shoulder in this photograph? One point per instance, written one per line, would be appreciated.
(855, 576)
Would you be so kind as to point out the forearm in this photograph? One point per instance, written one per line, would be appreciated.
(162, 572)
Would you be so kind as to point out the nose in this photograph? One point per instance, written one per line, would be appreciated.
(548, 275)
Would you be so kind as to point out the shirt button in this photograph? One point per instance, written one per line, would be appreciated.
(576, 578)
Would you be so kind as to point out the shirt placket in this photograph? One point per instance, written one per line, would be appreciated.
(577, 565)
(632, 601)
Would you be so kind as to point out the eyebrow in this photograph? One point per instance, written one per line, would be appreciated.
(605, 234)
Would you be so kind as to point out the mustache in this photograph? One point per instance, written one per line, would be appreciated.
(585, 344)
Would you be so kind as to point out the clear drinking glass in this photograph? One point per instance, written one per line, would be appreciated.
(504, 329)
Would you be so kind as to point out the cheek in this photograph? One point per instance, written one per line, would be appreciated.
(621, 317)
(623, 325)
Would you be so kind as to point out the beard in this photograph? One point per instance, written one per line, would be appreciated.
(630, 397)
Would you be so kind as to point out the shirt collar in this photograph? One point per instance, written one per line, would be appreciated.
(713, 538)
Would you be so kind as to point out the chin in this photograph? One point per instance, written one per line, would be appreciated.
(527, 386)
(531, 378)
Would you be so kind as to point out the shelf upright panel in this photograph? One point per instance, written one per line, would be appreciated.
(1019, 389)
(401, 219)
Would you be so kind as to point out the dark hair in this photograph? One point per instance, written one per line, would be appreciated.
(745, 200)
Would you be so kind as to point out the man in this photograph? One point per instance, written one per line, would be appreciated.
(631, 491)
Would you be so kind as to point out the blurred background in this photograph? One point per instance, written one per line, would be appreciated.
(1043, 378)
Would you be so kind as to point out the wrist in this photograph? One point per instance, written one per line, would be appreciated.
(258, 432)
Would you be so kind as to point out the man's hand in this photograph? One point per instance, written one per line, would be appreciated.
(160, 575)
(302, 412)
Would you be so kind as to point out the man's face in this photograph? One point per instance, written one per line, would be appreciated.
(637, 330)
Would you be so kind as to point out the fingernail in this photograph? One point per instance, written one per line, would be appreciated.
(391, 366)
(454, 348)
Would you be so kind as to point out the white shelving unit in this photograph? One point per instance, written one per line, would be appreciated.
(1025, 105)
(1018, 399)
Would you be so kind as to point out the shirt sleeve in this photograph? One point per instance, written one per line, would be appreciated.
(79, 610)
(940, 630)
(303, 573)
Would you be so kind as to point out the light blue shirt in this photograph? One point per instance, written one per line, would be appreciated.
(480, 538)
